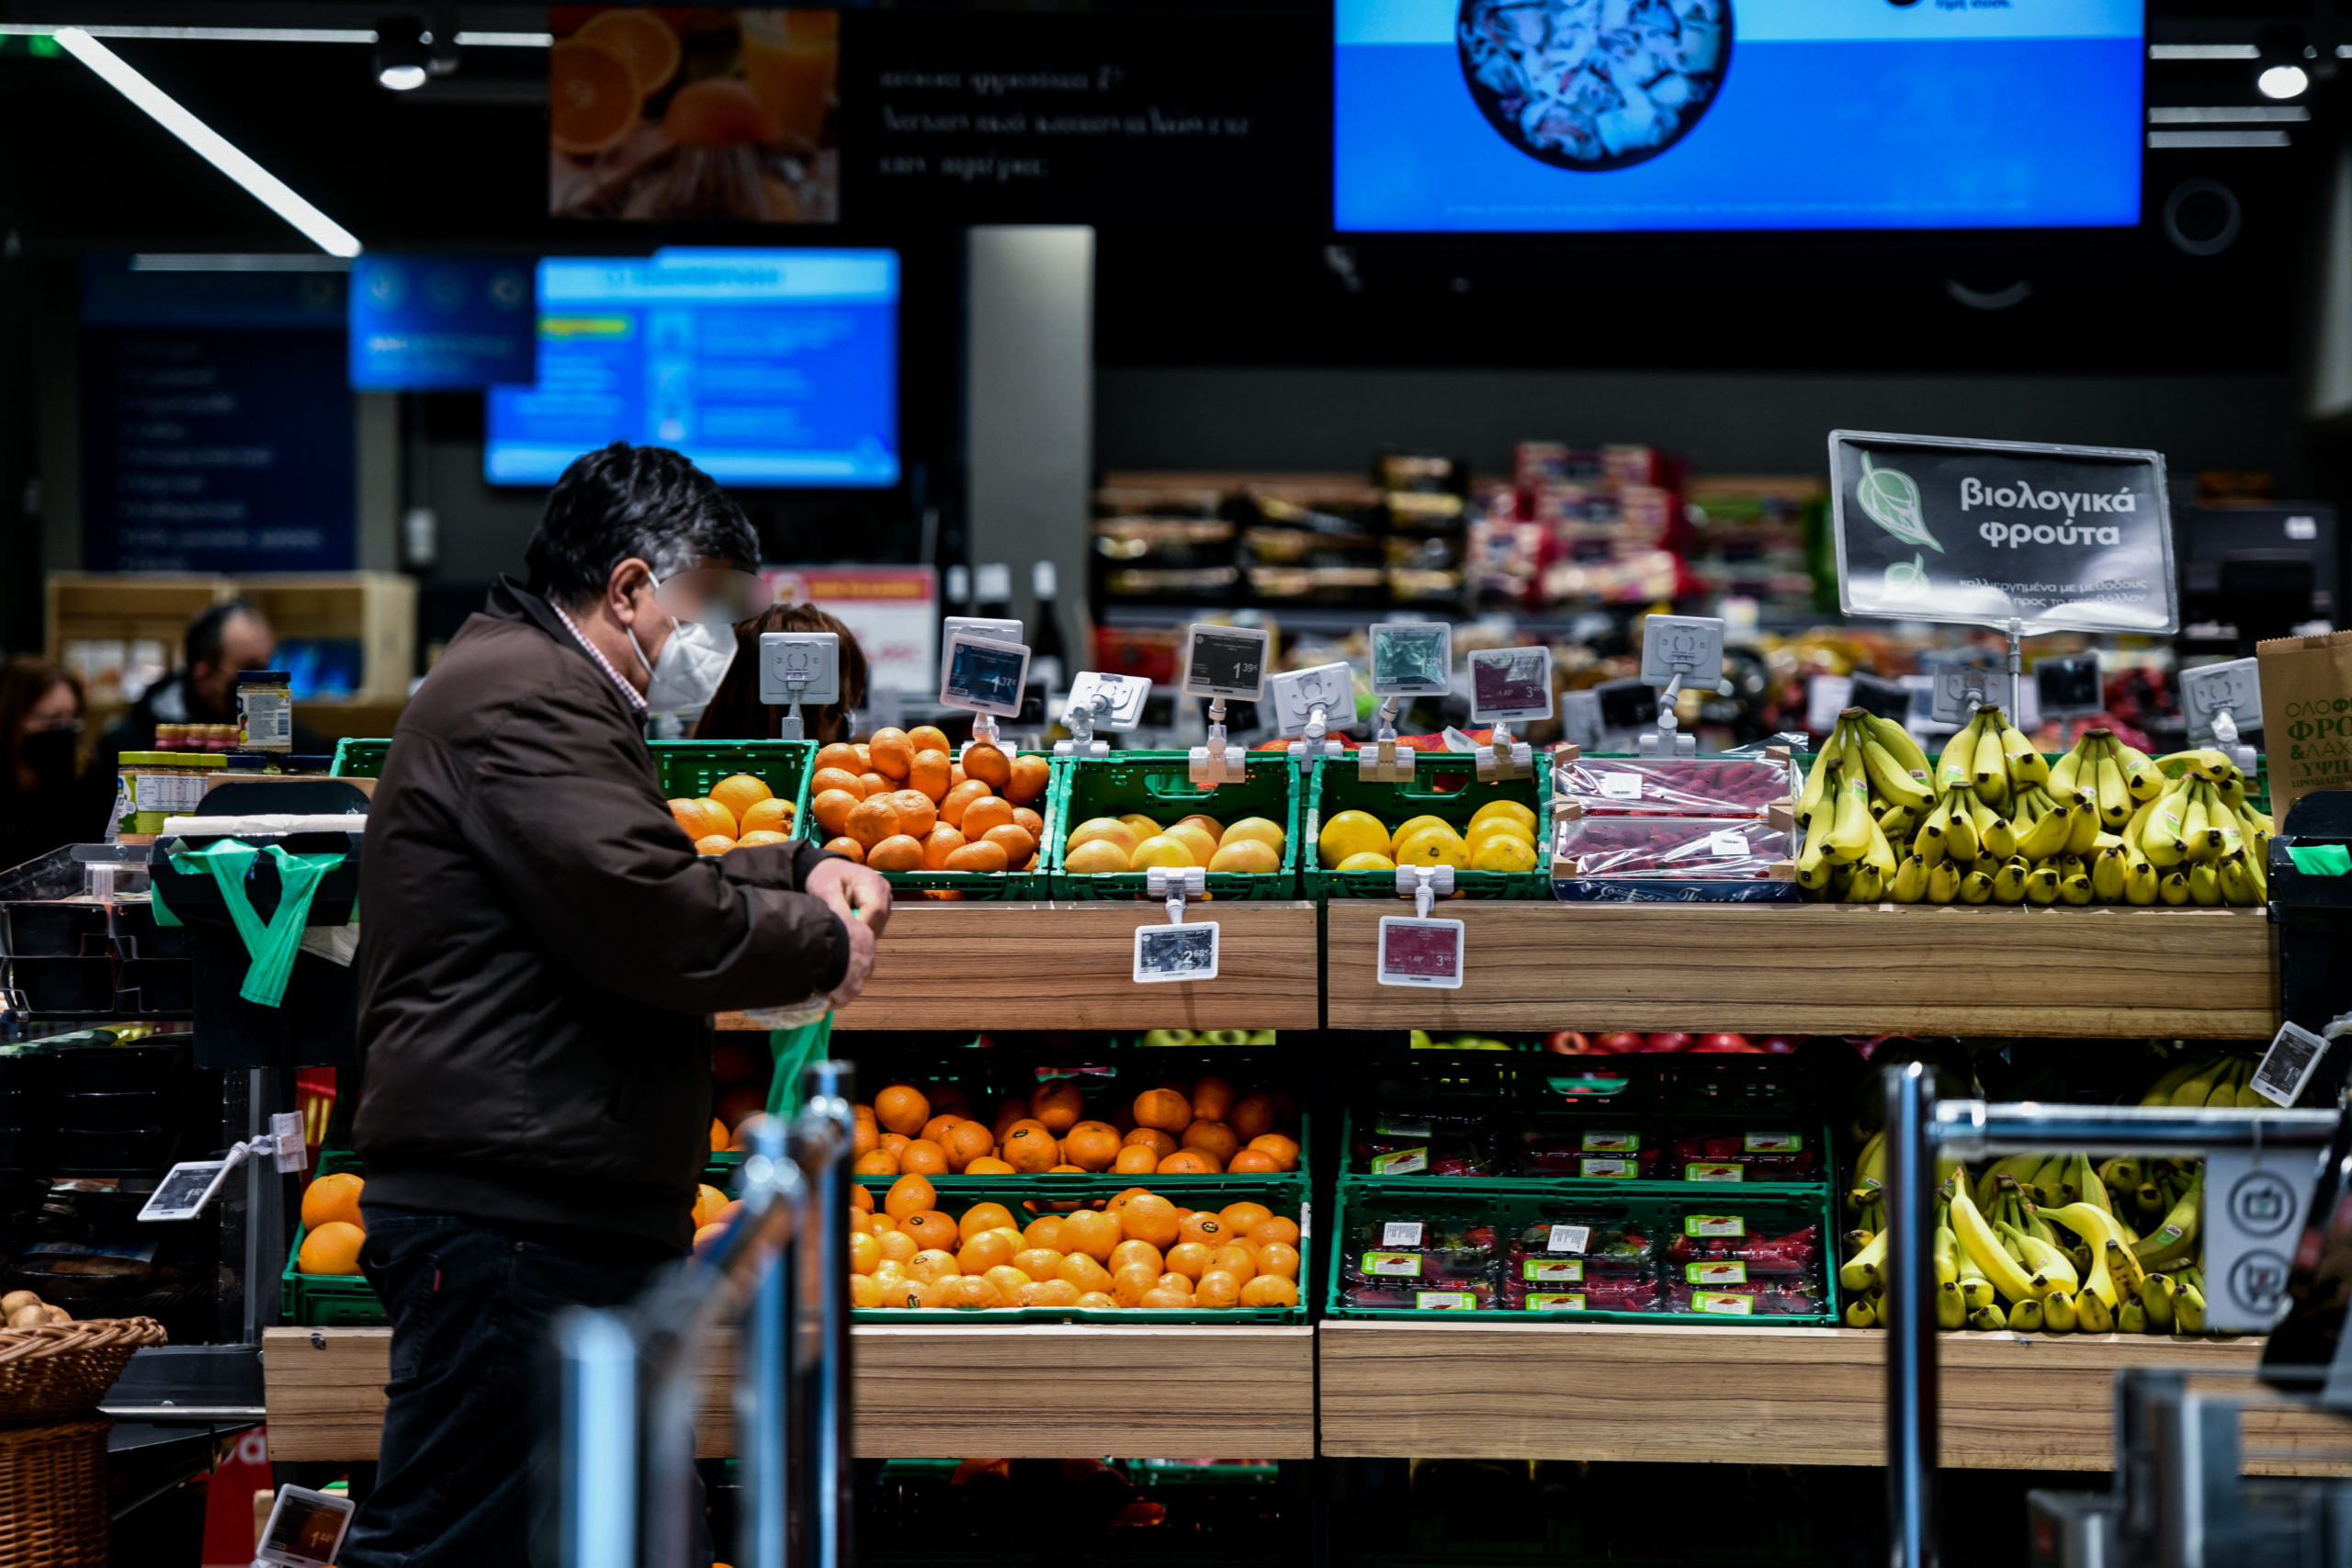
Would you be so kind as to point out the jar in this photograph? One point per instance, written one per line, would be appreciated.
(219, 738)
(171, 738)
(153, 785)
(265, 710)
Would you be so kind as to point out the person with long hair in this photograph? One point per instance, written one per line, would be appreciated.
(736, 712)
(48, 795)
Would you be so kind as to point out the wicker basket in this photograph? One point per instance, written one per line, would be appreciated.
(53, 1493)
(66, 1367)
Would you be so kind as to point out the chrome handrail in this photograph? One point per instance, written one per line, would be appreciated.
(629, 1374)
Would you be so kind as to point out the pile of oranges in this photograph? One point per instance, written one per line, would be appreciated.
(902, 801)
(1137, 842)
(330, 1216)
(1175, 1129)
(739, 810)
(1137, 1250)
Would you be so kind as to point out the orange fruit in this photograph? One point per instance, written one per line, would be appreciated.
(947, 1097)
(1217, 1287)
(989, 765)
(1024, 817)
(333, 1249)
(1135, 1159)
(936, 1128)
(1008, 1281)
(944, 842)
(1209, 825)
(762, 836)
(1196, 841)
(1127, 1285)
(849, 847)
(972, 1294)
(708, 1200)
(1283, 1150)
(1189, 1258)
(1012, 1117)
(1097, 1300)
(703, 818)
(336, 1197)
(865, 757)
(1031, 1150)
(982, 1217)
(1092, 1233)
(719, 1137)
(717, 111)
(840, 779)
(1152, 1138)
(992, 811)
(839, 754)
(1019, 844)
(1242, 1218)
(932, 1231)
(894, 1141)
(1266, 1233)
(982, 856)
(1238, 1262)
(1058, 1104)
(1247, 855)
(1191, 1162)
(1092, 1145)
(1163, 1108)
(860, 1199)
(891, 755)
(959, 799)
(1252, 1162)
(897, 1246)
(1045, 1231)
(864, 1294)
(644, 41)
(966, 1142)
(880, 1224)
(1026, 785)
(922, 1157)
(1038, 1262)
(1253, 1116)
(831, 808)
(1151, 1218)
(909, 1196)
(593, 99)
(706, 1236)
(1131, 1252)
(1050, 1293)
(988, 1165)
(717, 845)
(1084, 1271)
(869, 1137)
(1269, 1290)
(1211, 1138)
(916, 812)
(902, 1108)
(1204, 1225)
(876, 1162)
(870, 820)
(1212, 1099)
(769, 816)
(1164, 1298)
(929, 737)
(896, 852)
(984, 1252)
(864, 1253)
(876, 785)
(739, 792)
(1278, 1257)
(929, 773)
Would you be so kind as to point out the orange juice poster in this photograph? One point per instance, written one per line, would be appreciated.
(660, 113)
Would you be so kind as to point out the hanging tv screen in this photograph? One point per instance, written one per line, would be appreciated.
(1664, 115)
(767, 368)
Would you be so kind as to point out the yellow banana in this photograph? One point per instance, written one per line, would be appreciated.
(2096, 1227)
(2114, 797)
(1978, 1240)
(2106, 875)
(2026, 765)
(2086, 829)
(1901, 746)
(2141, 777)
(1895, 784)
(2043, 884)
(1960, 826)
(1957, 767)
(1994, 835)
(2204, 885)
(1849, 835)
(1990, 776)
(1943, 882)
(1910, 881)
(2173, 888)
(1976, 887)
(2069, 767)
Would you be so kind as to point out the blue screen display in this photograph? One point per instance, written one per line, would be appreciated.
(767, 368)
(1652, 115)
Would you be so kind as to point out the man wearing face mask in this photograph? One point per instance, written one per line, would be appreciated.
(47, 797)
(541, 952)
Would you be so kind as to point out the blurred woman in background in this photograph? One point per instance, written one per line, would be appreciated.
(49, 796)
(736, 712)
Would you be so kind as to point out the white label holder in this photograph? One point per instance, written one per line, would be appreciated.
(1221, 663)
(2221, 702)
(1381, 759)
(1422, 885)
(1304, 702)
(1098, 701)
(1176, 951)
(191, 1184)
(796, 668)
(1679, 651)
(1508, 683)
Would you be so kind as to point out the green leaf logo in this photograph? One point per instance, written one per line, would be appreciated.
(1891, 500)
(1907, 579)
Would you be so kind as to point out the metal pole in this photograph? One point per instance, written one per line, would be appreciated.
(597, 1517)
(760, 1392)
(1910, 1318)
(825, 1133)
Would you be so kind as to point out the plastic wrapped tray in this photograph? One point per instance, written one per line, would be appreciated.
(1591, 1295)
(1776, 1154)
(1673, 787)
(1711, 849)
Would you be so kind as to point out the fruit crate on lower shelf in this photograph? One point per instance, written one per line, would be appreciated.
(1157, 785)
(342, 1301)
(1453, 794)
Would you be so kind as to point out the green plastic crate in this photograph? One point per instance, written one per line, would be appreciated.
(1334, 787)
(1513, 1206)
(987, 885)
(1026, 1204)
(1156, 784)
(326, 1301)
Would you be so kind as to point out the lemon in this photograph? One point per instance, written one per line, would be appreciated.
(1435, 846)
(1499, 827)
(1370, 860)
(1351, 833)
(1109, 829)
(1194, 837)
(1161, 849)
(1268, 833)
(1094, 856)
(1246, 854)
(1508, 808)
(1142, 826)
(1413, 825)
(1503, 851)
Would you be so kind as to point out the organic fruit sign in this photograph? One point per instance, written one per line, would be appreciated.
(1987, 532)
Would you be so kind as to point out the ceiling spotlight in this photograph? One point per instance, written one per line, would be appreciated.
(400, 58)
(2282, 81)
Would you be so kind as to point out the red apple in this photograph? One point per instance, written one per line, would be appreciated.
(1723, 1043)
(1567, 1043)
(1673, 1040)
(1778, 1044)
(1618, 1044)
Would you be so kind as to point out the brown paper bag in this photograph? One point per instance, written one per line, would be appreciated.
(2306, 715)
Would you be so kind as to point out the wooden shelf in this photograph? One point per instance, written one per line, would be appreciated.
(1822, 968)
(1745, 1394)
(922, 1392)
(1024, 965)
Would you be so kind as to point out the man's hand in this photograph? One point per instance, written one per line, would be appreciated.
(862, 898)
(861, 961)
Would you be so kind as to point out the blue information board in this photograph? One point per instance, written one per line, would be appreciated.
(428, 323)
(775, 368)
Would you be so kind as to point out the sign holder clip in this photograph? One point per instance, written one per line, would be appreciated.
(1081, 719)
(1173, 884)
(1381, 759)
(1423, 883)
(1218, 761)
(1318, 742)
(1504, 758)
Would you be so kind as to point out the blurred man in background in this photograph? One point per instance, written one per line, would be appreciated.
(222, 640)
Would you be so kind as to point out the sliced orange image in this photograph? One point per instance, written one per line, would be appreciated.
(593, 98)
(646, 44)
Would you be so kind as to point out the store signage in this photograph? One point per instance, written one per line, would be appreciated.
(432, 324)
(893, 610)
(2253, 1219)
(1985, 532)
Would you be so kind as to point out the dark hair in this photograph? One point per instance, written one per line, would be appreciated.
(624, 500)
(209, 629)
(736, 712)
(24, 681)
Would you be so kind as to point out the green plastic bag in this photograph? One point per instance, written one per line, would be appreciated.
(2320, 860)
(793, 1050)
(271, 945)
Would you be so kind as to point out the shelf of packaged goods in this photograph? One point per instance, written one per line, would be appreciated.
(1821, 968)
(1749, 1394)
(1027, 966)
(921, 1391)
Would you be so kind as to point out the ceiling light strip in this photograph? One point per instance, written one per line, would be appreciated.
(2203, 52)
(209, 144)
(2231, 114)
(267, 35)
(2176, 141)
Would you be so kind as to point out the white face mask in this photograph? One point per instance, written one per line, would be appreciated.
(686, 674)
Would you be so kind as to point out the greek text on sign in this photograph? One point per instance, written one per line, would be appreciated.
(1987, 532)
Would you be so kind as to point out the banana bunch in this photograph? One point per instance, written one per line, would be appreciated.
(2207, 843)
(2220, 1081)
(1868, 790)
(2045, 1243)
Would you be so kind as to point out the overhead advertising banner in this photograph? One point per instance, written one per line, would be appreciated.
(659, 113)
(441, 323)
(1985, 533)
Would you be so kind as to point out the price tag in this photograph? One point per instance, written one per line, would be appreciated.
(286, 1125)
(1957, 689)
(2065, 687)
(1622, 786)
(1772, 1143)
(1713, 1224)
(1549, 1301)
(1610, 1142)
(1569, 1238)
(1225, 661)
(1446, 1300)
(1400, 1265)
(1728, 1306)
(1510, 684)
(1609, 1169)
(2293, 1056)
(1401, 1233)
(1728, 842)
(1421, 953)
(1404, 1162)
(983, 675)
(1687, 646)
(1556, 1270)
(1165, 953)
(2211, 688)
(1723, 1272)
(1412, 659)
(1714, 1170)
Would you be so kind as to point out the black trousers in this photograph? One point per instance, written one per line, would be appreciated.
(461, 1479)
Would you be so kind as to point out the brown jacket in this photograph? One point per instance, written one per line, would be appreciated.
(540, 947)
